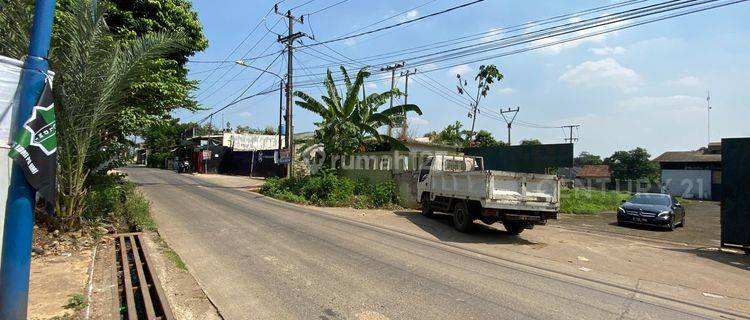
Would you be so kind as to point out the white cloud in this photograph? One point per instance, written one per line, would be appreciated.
(412, 14)
(607, 50)
(606, 72)
(418, 121)
(506, 90)
(371, 85)
(350, 42)
(245, 114)
(685, 82)
(462, 69)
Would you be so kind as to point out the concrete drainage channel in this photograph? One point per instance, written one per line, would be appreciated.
(140, 293)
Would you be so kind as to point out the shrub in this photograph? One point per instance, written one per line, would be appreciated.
(104, 195)
(384, 194)
(329, 189)
(135, 208)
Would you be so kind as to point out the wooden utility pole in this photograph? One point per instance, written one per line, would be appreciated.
(509, 123)
(289, 41)
(405, 123)
(393, 69)
(571, 139)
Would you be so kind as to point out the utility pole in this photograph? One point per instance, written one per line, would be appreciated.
(289, 41)
(708, 122)
(571, 139)
(281, 107)
(509, 123)
(19, 212)
(392, 69)
(405, 124)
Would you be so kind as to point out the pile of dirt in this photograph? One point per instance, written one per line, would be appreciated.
(54, 242)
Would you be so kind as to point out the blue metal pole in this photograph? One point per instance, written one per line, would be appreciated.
(19, 215)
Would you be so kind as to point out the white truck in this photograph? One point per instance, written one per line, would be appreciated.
(459, 185)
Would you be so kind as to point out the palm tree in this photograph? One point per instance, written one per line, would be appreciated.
(93, 73)
(349, 122)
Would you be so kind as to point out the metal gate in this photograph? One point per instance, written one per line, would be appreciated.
(735, 204)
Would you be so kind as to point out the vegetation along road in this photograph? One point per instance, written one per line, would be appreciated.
(259, 258)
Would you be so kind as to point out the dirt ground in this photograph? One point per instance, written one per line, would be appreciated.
(702, 225)
(699, 273)
(53, 279)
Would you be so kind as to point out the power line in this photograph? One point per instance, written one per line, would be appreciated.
(327, 7)
(238, 99)
(580, 36)
(493, 31)
(398, 24)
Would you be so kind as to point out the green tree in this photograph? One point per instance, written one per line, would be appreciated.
(160, 138)
(530, 142)
(451, 135)
(484, 138)
(94, 73)
(632, 165)
(486, 76)
(349, 122)
(586, 158)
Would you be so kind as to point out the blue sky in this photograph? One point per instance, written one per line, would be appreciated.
(644, 86)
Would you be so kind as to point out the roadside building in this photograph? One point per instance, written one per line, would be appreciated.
(232, 153)
(692, 174)
(593, 176)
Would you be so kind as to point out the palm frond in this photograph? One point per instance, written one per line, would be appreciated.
(395, 110)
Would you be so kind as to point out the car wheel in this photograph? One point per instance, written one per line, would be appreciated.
(427, 206)
(462, 219)
(620, 223)
(513, 227)
(670, 226)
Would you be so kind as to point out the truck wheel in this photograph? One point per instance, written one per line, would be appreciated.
(462, 219)
(426, 206)
(513, 227)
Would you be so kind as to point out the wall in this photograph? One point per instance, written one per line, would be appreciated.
(251, 142)
(527, 158)
(406, 183)
(10, 73)
(688, 183)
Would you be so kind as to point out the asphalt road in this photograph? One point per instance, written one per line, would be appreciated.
(258, 258)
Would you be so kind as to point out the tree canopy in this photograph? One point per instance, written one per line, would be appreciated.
(350, 122)
(586, 158)
(632, 165)
(530, 142)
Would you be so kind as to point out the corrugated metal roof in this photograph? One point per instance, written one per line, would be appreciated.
(594, 171)
(688, 156)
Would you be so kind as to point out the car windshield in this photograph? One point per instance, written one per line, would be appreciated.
(654, 199)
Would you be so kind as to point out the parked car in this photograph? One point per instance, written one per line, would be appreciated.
(654, 209)
(460, 186)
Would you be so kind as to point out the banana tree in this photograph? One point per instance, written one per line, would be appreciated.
(351, 120)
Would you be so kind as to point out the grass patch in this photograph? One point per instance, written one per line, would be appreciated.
(174, 257)
(328, 189)
(76, 301)
(584, 201)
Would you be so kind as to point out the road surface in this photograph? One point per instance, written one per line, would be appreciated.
(258, 258)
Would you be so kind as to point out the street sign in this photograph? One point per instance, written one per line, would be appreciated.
(284, 156)
(206, 154)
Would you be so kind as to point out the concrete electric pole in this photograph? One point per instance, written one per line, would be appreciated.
(289, 41)
(405, 123)
(509, 123)
(393, 69)
(571, 139)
